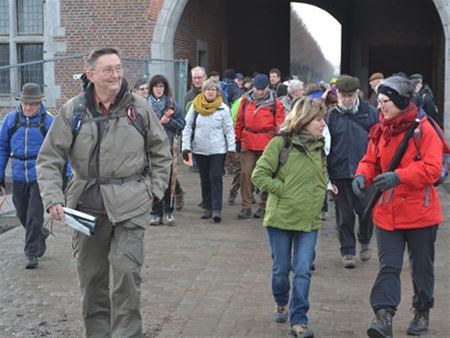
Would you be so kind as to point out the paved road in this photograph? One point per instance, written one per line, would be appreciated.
(206, 280)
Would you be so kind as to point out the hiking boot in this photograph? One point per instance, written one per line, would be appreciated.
(156, 220)
(381, 325)
(42, 242)
(281, 314)
(32, 262)
(169, 219)
(301, 331)
(259, 213)
(232, 199)
(365, 253)
(324, 216)
(419, 324)
(179, 201)
(216, 216)
(245, 214)
(348, 261)
(206, 214)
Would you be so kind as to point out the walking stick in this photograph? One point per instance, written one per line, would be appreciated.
(174, 171)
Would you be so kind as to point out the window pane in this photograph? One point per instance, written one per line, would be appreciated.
(4, 17)
(31, 73)
(4, 74)
(30, 17)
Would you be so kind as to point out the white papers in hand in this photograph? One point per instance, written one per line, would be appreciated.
(80, 221)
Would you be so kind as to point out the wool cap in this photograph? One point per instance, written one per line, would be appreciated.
(399, 89)
(31, 93)
(376, 76)
(239, 76)
(416, 76)
(261, 81)
(347, 84)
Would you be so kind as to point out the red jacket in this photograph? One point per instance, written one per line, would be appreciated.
(414, 203)
(255, 127)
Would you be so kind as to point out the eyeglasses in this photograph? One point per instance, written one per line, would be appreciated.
(143, 88)
(110, 71)
(383, 102)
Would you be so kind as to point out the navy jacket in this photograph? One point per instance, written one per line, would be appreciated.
(349, 139)
(23, 145)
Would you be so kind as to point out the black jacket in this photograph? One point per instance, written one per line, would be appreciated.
(349, 139)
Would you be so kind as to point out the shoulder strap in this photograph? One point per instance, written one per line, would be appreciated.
(15, 126)
(194, 123)
(284, 154)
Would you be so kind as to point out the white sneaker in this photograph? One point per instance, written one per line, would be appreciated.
(156, 220)
(169, 219)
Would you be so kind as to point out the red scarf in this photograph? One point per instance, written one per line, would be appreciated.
(398, 124)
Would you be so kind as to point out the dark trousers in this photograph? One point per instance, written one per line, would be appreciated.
(210, 170)
(347, 204)
(386, 291)
(166, 205)
(30, 211)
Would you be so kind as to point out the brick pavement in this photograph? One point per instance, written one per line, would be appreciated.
(207, 280)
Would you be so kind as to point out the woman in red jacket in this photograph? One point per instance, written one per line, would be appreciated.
(408, 212)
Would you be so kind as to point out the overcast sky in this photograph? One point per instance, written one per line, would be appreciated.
(325, 29)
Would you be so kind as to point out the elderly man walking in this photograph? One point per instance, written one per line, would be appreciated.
(121, 159)
(349, 124)
(21, 137)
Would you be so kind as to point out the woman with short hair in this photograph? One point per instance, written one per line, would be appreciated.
(209, 135)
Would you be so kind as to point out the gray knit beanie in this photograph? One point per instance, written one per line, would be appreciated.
(399, 89)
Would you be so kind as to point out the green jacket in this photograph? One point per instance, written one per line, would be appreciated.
(122, 155)
(297, 194)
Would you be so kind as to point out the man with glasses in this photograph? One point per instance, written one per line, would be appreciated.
(349, 124)
(121, 161)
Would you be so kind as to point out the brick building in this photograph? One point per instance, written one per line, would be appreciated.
(249, 35)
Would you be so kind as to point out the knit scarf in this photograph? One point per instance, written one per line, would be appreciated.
(157, 104)
(400, 123)
(204, 107)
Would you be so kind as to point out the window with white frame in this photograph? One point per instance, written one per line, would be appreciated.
(21, 41)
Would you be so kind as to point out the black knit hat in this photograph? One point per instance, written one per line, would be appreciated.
(399, 89)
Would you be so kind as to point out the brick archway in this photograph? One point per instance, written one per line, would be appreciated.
(443, 9)
(166, 15)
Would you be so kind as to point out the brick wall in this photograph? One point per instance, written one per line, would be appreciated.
(195, 25)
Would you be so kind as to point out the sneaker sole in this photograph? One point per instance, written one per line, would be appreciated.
(372, 333)
(295, 335)
(416, 333)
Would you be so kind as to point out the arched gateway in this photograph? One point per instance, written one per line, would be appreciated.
(171, 11)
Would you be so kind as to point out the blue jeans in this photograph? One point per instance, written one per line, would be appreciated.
(292, 250)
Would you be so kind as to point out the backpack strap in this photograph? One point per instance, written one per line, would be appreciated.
(18, 124)
(284, 155)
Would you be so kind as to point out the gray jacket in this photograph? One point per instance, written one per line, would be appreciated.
(122, 155)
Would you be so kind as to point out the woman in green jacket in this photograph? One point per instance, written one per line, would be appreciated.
(293, 214)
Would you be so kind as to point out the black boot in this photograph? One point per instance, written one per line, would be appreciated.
(381, 326)
(419, 324)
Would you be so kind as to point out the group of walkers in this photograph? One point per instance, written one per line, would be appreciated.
(289, 143)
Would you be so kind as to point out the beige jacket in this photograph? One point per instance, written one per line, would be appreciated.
(121, 155)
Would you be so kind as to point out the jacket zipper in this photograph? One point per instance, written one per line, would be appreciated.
(26, 150)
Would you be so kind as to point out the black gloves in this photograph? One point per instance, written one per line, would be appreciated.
(358, 184)
(386, 181)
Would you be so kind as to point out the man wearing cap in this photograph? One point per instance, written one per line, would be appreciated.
(259, 117)
(374, 81)
(349, 124)
(423, 97)
(22, 134)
